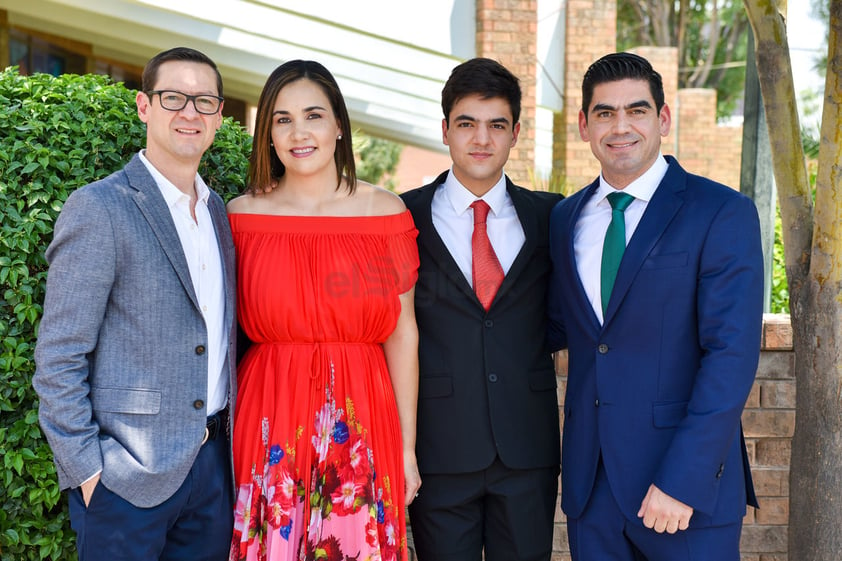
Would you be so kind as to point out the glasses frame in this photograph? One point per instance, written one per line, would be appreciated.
(187, 99)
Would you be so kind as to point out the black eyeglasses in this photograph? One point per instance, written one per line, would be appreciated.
(172, 100)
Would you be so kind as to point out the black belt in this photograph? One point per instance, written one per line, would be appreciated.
(216, 425)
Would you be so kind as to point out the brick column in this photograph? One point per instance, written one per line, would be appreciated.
(590, 33)
(665, 62)
(769, 423)
(701, 145)
(506, 31)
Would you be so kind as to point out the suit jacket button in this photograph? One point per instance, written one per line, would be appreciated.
(488, 323)
(603, 348)
(721, 469)
(200, 350)
(492, 377)
(198, 404)
(596, 403)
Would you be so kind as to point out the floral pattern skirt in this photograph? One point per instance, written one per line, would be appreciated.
(341, 510)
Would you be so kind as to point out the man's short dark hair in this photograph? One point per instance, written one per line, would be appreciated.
(484, 77)
(621, 66)
(185, 54)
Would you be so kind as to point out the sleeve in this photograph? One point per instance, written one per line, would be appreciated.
(403, 250)
(729, 309)
(556, 332)
(81, 273)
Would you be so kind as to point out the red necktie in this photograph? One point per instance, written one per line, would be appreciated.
(486, 269)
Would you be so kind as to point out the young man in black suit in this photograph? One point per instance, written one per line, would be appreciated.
(488, 431)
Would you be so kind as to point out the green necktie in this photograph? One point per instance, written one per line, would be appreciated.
(615, 244)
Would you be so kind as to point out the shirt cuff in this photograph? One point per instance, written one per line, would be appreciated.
(91, 477)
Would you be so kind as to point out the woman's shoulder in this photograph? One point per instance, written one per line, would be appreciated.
(378, 201)
(248, 203)
(239, 204)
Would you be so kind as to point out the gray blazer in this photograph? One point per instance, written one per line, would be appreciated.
(121, 362)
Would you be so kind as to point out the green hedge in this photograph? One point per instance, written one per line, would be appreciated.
(56, 134)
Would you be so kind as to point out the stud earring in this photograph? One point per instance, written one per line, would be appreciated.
(339, 137)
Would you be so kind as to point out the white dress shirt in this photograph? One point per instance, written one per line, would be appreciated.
(453, 219)
(589, 233)
(201, 249)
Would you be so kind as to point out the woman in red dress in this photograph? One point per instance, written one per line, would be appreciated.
(324, 434)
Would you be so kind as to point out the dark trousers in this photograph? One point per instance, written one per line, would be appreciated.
(603, 533)
(195, 524)
(505, 513)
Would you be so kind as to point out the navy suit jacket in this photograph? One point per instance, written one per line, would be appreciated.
(487, 386)
(658, 390)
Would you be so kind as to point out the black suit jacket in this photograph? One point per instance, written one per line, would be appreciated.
(487, 384)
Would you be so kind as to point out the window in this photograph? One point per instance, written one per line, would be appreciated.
(33, 54)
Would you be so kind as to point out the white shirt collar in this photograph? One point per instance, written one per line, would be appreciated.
(172, 194)
(461, 198)
(641, 188)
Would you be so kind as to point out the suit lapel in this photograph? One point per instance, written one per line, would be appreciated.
(660, 211)
(154, 208)
(428, 237)
(525, 210)
(582, 297)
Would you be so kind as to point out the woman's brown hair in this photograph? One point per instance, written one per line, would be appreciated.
(265, 168)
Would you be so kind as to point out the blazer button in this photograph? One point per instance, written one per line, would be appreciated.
(200, 350)
(198, 404)
(721, 469)
(603, 349)
(489, 323)
(596, 403)
(492, 377)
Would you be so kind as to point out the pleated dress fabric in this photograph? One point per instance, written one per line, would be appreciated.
(317, 444)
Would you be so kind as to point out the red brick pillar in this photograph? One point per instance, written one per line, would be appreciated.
(665, 62)
(507, 32)
(591, 30)
(769, 423)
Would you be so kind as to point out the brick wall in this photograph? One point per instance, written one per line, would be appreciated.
(665, 61)
(702, 145)
(768, 423)
(507, 32)
(590, 32)
(705, 147)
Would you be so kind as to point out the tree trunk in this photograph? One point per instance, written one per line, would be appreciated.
(774, 71)
(813, 249)
(816, 466)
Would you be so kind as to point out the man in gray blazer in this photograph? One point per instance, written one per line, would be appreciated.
(135, 355)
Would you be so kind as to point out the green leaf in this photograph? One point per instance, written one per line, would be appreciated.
(30, 167)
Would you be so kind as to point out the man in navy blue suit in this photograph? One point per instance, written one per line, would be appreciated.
(663, 344)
